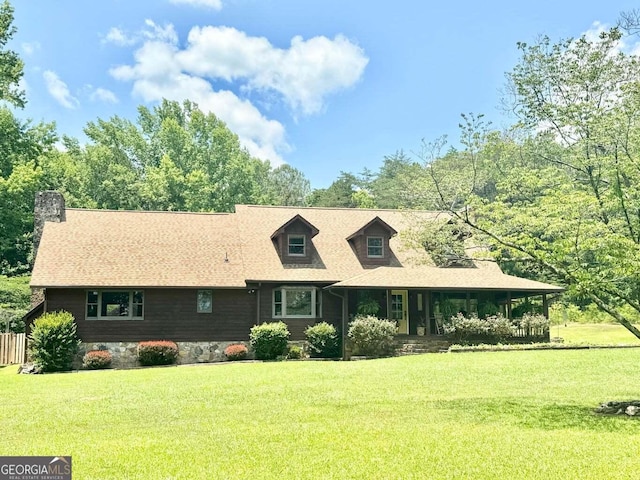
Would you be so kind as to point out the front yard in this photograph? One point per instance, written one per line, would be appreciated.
(477, 415)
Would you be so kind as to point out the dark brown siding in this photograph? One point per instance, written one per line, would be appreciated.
(360, 246)
(169, 314)
(331, 312)
(296, 228)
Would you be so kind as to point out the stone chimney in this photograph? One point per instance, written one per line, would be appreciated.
(48, 207)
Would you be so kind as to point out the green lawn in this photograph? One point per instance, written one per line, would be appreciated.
(594, 333)
(497, 415)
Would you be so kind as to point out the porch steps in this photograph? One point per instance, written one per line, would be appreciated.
(417, 346)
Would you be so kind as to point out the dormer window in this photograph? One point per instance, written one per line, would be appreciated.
(375, 247)
(297, 247)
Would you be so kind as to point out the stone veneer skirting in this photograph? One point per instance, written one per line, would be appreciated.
(124, 354)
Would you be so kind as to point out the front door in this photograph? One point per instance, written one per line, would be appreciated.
(400, 311)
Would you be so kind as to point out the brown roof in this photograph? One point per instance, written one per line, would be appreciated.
(446, 279)
(103, 248)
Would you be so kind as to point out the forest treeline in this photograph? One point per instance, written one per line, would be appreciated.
(555, 196)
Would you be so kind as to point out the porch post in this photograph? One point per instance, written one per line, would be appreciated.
(427, 312)
(468, 308)
(258, 304)
(509, 304)
(345, 314)
(545, 306)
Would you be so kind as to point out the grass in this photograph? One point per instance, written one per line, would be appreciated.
(594, 333)
(478, 415)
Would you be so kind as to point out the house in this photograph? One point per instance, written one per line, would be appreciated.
(204, 279)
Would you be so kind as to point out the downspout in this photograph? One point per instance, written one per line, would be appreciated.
(343, 321)
(258, 290)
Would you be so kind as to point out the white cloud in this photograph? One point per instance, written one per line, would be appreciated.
(627, 44)
(59, 90)
(29, 48)
(103, 95)
(213, 4)
(156, 32)
(118, 37)
(302, 75)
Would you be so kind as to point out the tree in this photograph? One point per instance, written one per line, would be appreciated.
(175, 158)
(339, 194)
(570, 207)
(23, 151)
(287, 185)
(398, 183)
(11, 67)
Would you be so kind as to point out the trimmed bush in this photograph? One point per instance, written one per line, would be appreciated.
(295, 353)
(372, 336)
(470, 330)
(53, 341)
(323, 339)
(535, 324)
(96, 359)
(157, 352)
(269, 340)
(236, 352)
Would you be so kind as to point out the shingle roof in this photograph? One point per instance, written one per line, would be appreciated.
(102, 248)
(446, 279)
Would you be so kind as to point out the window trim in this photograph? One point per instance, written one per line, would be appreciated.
(210, 294)
(316, 301)
(98, 305)
(304, 244)
(381, 246)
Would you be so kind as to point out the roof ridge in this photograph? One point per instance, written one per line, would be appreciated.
(181, 212)
(349, 209)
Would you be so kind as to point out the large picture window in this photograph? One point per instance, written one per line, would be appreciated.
(115, 304)
(297, 302)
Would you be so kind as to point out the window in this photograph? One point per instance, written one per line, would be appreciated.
(374, 247)
(205, 301)
(296, 245)
(297, 302)
(115, 304)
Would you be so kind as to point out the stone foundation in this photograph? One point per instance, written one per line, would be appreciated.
(124, 354)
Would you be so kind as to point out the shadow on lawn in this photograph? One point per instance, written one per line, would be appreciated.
(539, 416)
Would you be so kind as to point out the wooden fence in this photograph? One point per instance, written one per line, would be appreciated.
(12, 348)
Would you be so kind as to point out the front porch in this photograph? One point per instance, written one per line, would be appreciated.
(421, 313)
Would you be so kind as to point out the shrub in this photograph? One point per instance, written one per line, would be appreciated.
(323, 339)
(53, 341)
(14, 318)
(468, 330)
(269, 340)
(372, 336)
(236, 352)
(295, 353)
(157, 352)
(487, 309)
(535, 324)
(96, 359)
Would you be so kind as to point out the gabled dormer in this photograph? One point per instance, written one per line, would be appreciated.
(293, 241)
(371, 242)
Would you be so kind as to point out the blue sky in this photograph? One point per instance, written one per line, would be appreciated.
(324, 86)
